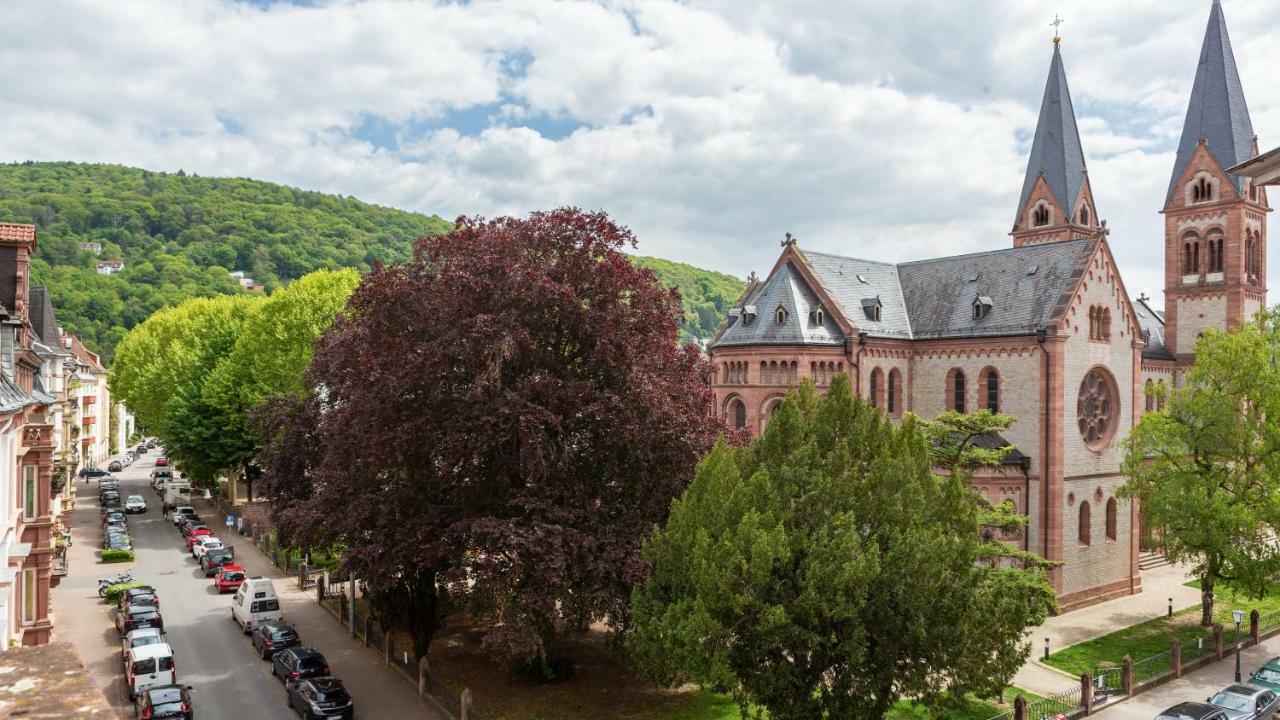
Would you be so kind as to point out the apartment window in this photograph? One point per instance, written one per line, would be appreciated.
(29, 495)
(29, 597)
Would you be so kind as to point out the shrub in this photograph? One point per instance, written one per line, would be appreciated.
(115, 591)
(115, 556)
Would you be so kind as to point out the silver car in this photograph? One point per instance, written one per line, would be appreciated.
(1242, 701)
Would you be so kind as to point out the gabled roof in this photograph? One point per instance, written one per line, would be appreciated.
(926, 299)
(1217, 111)
(43, 320)
(1056, 151)
(1151, 322)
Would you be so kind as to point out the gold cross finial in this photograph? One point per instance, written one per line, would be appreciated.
(1057, 22)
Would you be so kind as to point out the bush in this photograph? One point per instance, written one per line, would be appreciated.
(115, 556)
(115, 591)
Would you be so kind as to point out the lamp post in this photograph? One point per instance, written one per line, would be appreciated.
(1239, 616)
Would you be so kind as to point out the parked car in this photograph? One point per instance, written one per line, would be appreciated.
(138, 638)
(214, 559)
(1192, 711)
(135, 504)
(140, 450)
(1242, 701)
(1268, 676)
(115, 524)
(145, 597)
(164, 702)
(181, 511)
(273, 636)
(150, 667)
(196, 533)
(114, 515)
(92, 473)
(115, 466)
(322, 697)
(228, 578)
(255, 602)
(204, 544)
(162, 461)
(117, 541)
(138, 616)
(299, 663)
(136, 591)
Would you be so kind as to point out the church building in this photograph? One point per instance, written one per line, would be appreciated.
(1044, 331)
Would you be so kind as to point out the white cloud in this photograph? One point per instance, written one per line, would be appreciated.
(887, 130)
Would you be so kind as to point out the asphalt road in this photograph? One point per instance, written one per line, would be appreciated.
(228, 681)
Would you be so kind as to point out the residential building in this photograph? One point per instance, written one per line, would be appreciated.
(1043, 331)
(110, 267)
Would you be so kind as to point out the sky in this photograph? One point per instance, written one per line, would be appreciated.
(885, 130)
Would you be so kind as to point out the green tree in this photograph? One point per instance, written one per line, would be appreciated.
(825, 571)
(1206, 468)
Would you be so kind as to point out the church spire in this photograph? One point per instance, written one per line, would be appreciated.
(1055, 192)
(1217, 112)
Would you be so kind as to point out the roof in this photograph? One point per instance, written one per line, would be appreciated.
(49, 681)
(1151, 321)
(1217, 111)
(1056, 151)
(12, 396)
(995, 441)
(925, 299)
(1264, 168)
(44, 321)
(17, 231)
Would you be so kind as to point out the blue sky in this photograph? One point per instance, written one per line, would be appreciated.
(891, 131)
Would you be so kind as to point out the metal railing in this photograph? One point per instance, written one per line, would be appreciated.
(1062, 703)
(1196, 648)
(1007, 715)
(1268, 621)
(1152, 667)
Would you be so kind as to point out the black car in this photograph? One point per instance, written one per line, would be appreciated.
(299, 663)
(164, 701)
(273, 636)
(322, 697)
(117, 541)
(93, 473)
(136, 592)
(138, 616)
(112, 516)
(134, 598)
(1192, 711)
(115, 466)
(216, 558)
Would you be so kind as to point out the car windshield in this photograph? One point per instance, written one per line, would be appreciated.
(311, 662)
(141, 640)
(336, 695)
(166, 700)
(1232, 701)
(1268, 675)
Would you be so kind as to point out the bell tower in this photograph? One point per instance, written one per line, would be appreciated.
(1056, 203)
(1215, 223)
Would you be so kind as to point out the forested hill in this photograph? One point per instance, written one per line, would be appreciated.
(181, 235)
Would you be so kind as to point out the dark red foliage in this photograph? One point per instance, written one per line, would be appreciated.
(509, 413)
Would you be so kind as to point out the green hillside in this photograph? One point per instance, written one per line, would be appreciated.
(180, 235)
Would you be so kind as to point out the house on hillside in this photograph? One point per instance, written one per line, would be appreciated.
(110, 267)
(93, 247)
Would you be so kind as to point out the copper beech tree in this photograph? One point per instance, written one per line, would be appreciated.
(496, 426)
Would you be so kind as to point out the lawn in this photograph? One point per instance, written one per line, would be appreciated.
(1156, 636)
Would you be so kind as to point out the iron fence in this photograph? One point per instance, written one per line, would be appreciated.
(1108, 682)
(1196, 648)
(1048, 708)
(1153, 667)
(1268, 621)
(1007, 715)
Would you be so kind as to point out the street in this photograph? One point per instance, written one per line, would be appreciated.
(228, 680)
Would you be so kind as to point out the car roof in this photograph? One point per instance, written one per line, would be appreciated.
(144, 632)
(1242, 689)
(140, 609)
(1193, 710)
(304, 652)
(326, 683)
(232, 568)
(165, 693)
(153, 650)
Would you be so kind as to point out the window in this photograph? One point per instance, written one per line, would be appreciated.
(871, 308)
(29, 494)
(1148, 389)
(1099, 323)
(737, 413)
(1191, 256)
(29, 596)
(1201, 190)
(1085, 529)
(991, 382)
(1097, 408)
(780, 315)
(892, 403)
(1040, 216)
(816, 316)
(981, 307)
(1084, 216)
(877, 380)
(956, 391)
(1111, 519)
(1215, 258)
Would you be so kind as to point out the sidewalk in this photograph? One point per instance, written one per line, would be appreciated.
(358, 666)
(1158, 585)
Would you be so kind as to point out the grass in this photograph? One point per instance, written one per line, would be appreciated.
(1156, 636)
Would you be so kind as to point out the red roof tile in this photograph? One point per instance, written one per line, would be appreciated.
(17, 231)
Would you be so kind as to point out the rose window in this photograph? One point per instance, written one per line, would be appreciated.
(1096, 409)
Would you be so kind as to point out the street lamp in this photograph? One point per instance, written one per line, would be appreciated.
(1239, 616)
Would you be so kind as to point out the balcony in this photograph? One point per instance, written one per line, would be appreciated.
(89, 420)
(90, 399)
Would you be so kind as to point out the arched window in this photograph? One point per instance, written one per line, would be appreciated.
(1084, 216)
(991, 385)
(780, 315)
(1040, 216)
(816, 316)
(1086, 524)
(955, 395)
(1099, 323)
(1202, 190)
(1160, 395)
(1111, 519)
(737, 413)
(1216, 254)
(877, 382)
(1148, 389)
(1195, 257)
(894, 403)
(1186, 259)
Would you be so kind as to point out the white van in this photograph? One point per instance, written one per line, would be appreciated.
(176, 493)
(149, 666)
(255, 602)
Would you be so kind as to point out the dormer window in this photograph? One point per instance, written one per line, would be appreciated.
(816, 316)
(871, 307)
(780, 315)
(748, 315)
(981, 307)
(1040, 216)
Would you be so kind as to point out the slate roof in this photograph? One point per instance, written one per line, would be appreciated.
(1217, 111)
(993, 441)
(925, 299)
(12, 397)
(1056, 150)
(44, 321)
(1152, 323)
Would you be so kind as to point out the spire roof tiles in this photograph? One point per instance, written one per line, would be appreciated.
(1056, 150)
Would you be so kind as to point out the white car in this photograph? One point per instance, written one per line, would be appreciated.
(204, 545)
(138, 638)
(135, 504)
(180, 511)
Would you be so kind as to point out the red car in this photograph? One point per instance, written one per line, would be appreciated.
(229, 578)
(191, 539)
(162, 461)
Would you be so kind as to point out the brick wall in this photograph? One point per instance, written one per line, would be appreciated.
(1197, 313)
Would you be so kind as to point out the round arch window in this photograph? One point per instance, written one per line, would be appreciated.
(1097, 409)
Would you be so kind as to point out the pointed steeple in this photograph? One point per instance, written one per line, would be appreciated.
(1056, 151)
(1217, 111)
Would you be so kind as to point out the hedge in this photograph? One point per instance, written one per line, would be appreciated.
(115, 556)
(115, 591)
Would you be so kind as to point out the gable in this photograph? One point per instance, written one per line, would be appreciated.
(753, 321)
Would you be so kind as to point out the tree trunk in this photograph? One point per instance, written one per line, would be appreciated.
(1206, 600)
